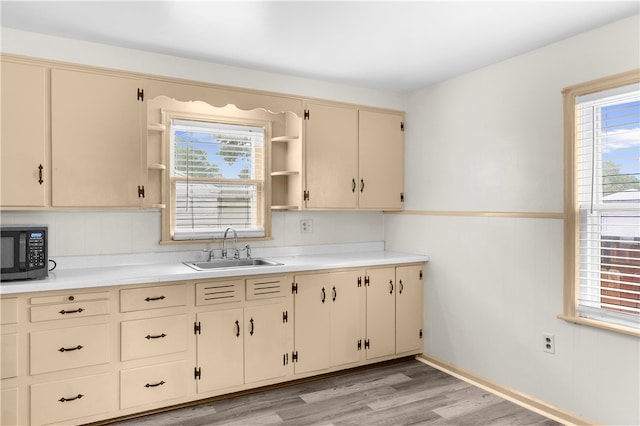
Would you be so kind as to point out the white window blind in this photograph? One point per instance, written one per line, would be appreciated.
(608, 196)
(217, 177)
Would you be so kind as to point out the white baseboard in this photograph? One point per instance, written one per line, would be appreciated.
(524, 400)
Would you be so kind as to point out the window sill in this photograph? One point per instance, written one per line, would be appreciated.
(599, 324)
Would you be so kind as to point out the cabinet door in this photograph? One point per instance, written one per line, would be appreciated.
(265, 342)
(381, 312)
(381, 160)
(347, 317)
(331, 157)
(409, 301)
(96, 140)
(23, 136)
(9, 407)
(312, 315)
(220, 349)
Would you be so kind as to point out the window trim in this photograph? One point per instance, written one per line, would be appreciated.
(571, 233)
(168, 216)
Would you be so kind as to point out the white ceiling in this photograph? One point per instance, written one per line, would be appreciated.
(388, 45)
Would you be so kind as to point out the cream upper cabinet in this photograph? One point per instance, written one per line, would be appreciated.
(381, 160)
(354, 158)
(331, 151)
(96, 140)
(24, 167)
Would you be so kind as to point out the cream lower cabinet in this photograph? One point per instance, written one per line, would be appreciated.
(328, 320)
(381, 312)
(154, 346)
(247, 343)
(409, 311)
(70, 348)
(76, 358)
(394, 311)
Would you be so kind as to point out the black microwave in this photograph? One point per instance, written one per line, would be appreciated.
(24, 252)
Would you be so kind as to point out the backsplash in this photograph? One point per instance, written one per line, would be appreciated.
(79, 233)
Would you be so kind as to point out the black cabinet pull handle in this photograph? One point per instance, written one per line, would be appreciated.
(361, 185)
(40, 180)
(149, 385)
(63, 399)
(151, 299)
(252, 327)
(75, 311)
(237, 328)
(159, 336)
(391, 284)
(401, 287)
(324, 295)
(353, 185)
(334, 294)
(77, 348)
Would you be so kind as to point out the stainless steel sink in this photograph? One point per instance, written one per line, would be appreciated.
(230, 263)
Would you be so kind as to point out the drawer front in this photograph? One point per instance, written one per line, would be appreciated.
(266, 288)
(156, 383)
(69, 310)
(59, 401)
(215, 292)
(8, 311)
(8, 355)
(66, 348)
(68, 297)
(137, 299)
(9, 407)
(153, 336)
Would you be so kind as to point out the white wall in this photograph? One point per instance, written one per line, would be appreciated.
(108, 232)
(491, 140)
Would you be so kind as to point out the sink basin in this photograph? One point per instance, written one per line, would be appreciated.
(230, 263)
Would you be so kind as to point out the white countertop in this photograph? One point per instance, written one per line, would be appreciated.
(103, 274)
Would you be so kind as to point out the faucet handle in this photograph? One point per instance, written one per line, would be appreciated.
(248, 249)
(210, 252)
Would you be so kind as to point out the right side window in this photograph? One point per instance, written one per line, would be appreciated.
(603, 206)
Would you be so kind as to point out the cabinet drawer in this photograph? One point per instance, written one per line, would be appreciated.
(59, 401)
(8, 355)
(68, 297)
(9, 407)
(66, 348)
(8, 311)
(137, 299)
(216, 292)
(160, 382)
(69, 310)
(268, 287)
(153, 336)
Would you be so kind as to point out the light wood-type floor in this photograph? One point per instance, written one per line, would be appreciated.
(403, 393)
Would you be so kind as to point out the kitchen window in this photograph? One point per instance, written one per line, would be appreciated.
(217, 178)
(602, 203)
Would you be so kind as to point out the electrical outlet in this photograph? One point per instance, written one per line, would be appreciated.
(306, 226)
(549, 343)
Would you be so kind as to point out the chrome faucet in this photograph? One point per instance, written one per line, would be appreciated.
(224, 242)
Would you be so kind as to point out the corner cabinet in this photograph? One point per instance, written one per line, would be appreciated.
(24, 165)
(354, 158)
(96, 139)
